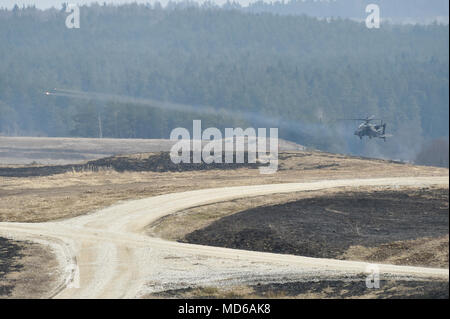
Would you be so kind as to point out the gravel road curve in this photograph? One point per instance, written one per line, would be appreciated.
(106, 254)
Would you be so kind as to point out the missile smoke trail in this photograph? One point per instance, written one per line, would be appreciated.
(307, 131)
(127, 99)
(251, 116)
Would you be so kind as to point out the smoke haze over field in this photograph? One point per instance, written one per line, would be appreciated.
(227, 68)
(317, 133)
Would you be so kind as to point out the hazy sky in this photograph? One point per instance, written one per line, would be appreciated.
(425, 9)
(44, 4)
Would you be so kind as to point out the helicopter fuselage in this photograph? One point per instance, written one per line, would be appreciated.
(370, 130)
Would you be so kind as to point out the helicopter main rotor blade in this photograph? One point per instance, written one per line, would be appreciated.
(367, 120)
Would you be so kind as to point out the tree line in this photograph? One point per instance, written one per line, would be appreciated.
(298, 73)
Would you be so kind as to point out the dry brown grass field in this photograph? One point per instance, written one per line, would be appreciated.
(74, 193)
(44, 198)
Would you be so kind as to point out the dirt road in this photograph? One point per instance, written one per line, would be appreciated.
(106, 254)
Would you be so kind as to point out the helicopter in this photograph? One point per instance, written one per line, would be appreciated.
(367, 128)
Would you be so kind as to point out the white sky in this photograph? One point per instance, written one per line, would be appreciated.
(44, 4)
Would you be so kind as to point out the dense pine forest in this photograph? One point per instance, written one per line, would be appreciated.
(402, 11)
(298, 73)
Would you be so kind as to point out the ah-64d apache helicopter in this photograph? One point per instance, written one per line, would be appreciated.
(367, 128)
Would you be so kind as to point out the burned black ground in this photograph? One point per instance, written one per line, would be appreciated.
(157, 162)
(389, 289)
(327, 226)
(333, 288)
(10, 252)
